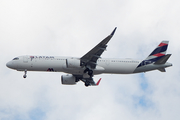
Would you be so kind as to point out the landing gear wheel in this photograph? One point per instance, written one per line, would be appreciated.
(90, 73)
(86, 84)
(87, 69)
(25, 74)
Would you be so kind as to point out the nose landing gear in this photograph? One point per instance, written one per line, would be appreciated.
(25, 74)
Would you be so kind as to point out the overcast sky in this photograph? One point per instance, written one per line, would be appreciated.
(72, 28)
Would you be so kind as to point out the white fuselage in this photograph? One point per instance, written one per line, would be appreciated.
(58, 64)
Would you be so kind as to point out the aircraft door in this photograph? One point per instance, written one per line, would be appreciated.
(107, 62)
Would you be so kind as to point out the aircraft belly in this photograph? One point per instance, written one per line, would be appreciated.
(120, 68)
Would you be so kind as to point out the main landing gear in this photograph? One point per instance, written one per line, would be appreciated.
(90, 72)
(86, 83)
(25, 74)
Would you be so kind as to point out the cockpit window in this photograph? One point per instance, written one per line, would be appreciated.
(16, 58)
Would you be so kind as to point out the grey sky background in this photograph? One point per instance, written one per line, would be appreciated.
(72, 28)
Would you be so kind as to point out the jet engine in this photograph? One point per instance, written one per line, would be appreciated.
(73, 63)
(68, 79)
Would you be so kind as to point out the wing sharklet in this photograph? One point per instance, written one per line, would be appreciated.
(113, 31)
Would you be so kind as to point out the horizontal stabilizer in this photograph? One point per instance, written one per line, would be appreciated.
(162, 69)
(163, 59)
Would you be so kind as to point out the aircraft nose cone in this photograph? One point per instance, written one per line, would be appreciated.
(9, 64)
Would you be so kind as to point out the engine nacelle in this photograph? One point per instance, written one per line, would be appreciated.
(68, 79)
(73, 63)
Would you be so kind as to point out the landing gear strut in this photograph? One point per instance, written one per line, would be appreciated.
(25, 74)
(86, 82)
(90, 72)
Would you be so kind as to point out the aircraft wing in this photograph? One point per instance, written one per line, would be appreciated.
(89, 59)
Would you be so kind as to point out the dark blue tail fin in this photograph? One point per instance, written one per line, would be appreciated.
(157, 54)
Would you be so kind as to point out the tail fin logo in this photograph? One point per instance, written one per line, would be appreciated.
(160, 50)
(157, 54)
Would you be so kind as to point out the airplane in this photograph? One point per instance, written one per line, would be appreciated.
(84, 68)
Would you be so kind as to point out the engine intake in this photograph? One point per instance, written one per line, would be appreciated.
(68, 80)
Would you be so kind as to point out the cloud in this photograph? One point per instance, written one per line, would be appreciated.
(72, 28)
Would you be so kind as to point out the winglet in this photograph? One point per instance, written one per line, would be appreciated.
(98, 81)
(113, 31)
